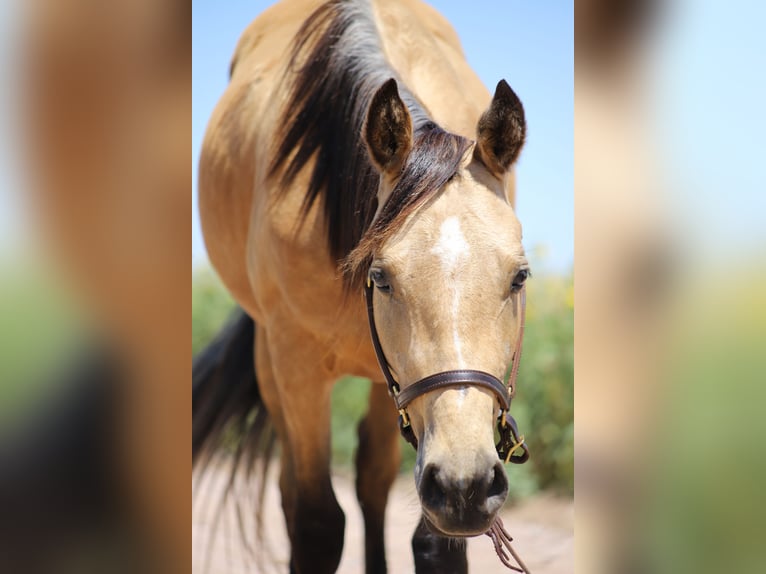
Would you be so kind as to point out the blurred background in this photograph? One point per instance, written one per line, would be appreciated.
(670, 237)
(94, 295)
(669, 187)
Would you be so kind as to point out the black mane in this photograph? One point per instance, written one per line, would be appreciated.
(336, 67)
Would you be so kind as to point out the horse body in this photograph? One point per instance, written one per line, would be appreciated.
(234, 192)
(271, 250)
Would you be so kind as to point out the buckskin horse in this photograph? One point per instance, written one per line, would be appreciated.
(356, 196)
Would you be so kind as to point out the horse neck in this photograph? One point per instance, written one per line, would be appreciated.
(423, 49)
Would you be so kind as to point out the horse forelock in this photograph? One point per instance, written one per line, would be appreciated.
(435, 159)
(336, 65)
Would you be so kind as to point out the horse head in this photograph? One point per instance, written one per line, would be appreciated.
(446, 273)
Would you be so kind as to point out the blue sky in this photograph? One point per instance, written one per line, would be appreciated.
(12, 212)
(710, 125)
(527, 42)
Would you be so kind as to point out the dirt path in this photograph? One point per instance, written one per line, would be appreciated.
(542, 527)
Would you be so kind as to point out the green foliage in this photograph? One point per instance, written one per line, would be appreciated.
(211, 307)
(543, 406)
(40, 330)
(349, 404)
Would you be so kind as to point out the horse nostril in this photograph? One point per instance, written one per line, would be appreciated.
(498, 488)
(460, 505)
(431, 491)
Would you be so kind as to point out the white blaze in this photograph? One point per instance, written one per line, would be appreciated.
(451, 246)
(452, 249)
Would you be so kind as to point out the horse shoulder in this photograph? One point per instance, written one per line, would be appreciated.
(226, 172)
(437, 24)
(426, 52)
(236, 144)
(271, 32)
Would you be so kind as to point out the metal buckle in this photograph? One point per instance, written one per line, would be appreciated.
(402, 411)
(510, 441)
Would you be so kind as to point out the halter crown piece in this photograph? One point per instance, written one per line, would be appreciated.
(511, 446)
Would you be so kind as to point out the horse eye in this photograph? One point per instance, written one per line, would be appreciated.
(519, 280)
(380, 280)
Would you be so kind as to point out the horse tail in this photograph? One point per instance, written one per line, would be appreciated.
(229, 421)
(225, 391)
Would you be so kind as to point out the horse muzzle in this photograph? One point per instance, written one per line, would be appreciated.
(459, 505)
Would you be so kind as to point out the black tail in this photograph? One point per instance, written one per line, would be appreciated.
(228, 416)
(225, 392)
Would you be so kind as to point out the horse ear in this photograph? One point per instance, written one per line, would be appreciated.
(501, 131)
(388, 130)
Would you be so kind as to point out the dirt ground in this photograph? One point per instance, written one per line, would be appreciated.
(542, 528)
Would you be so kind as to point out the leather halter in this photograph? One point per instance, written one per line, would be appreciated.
(511, 447)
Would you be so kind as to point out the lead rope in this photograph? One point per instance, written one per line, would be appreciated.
(500, 537)
(502, 542)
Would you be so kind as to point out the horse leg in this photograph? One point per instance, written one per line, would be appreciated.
(300, 392)
(377, 462)
(270, 394)
(435, 554)
(316, 520)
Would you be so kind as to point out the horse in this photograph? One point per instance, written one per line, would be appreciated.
(355, 151)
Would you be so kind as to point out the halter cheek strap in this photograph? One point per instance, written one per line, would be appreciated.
(511, 447)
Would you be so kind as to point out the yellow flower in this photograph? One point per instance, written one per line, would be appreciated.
(569, 296)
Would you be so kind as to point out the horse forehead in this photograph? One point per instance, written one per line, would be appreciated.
(461, 224)
(450, 246)
(468, 223)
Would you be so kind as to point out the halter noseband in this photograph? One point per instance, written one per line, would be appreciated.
(511, 447)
